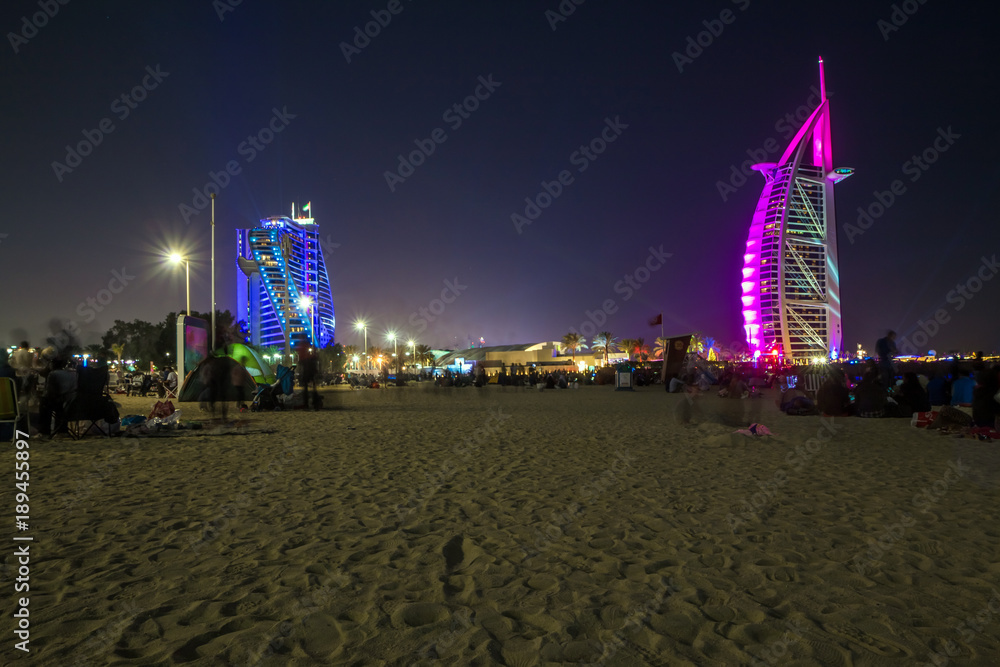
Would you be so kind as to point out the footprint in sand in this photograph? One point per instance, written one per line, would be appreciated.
(880, 645)
(322, 636)
(422, 613)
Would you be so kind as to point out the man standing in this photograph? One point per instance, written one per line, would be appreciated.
(885, 348)
(23, 360)
(309, 369)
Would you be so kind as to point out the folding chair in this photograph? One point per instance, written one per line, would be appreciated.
(10, 409)
(91, 405)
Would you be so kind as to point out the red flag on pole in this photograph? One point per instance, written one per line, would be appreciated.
(656, 320)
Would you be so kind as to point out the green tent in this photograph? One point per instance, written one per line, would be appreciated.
(251, 360)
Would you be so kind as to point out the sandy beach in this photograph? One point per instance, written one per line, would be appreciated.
(501, 526)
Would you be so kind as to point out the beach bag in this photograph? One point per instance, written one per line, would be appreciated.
(923, 419)
(162, 409)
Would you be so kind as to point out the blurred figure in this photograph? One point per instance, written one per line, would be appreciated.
(986, 399)
(833, 398)
(309, 368)
(23, 360)
(912, 395)
(885, 348)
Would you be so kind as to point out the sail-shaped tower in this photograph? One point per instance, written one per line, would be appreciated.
(791, 281)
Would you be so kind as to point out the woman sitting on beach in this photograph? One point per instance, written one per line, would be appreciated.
(911, 395)
(832, 398)
(796, 402)
(870, 397)
(986, 399)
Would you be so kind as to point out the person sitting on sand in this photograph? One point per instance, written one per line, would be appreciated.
(738, 388)
(961, 390)
(911, 395)
(870, 397)
(938, 390)
(833, 398)
(986, 399)
(795, 402)
(60, 390)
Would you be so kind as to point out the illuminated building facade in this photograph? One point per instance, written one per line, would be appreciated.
(791, 283)
(282, 288)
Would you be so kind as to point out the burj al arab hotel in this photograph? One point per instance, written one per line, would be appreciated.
(791, 282)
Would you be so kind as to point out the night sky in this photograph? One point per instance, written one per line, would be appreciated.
(219, 77)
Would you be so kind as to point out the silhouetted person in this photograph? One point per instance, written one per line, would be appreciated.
(309, 369)
(885, 348)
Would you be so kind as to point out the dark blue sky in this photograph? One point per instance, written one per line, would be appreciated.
(391, 251)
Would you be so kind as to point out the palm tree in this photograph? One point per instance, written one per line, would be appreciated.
(351, 351)
(573, 342)
(660, 346)
(641, 350)
(119, 349)
(712, 346)
(375, 354)
(607, 342)
(628, 344)
(697, 344)
(424, 355)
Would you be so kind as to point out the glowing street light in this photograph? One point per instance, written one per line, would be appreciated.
(177, 259)
(391, 335)
(360, 325)
(305, 303)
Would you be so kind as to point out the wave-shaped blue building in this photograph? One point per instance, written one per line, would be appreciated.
(282, 287)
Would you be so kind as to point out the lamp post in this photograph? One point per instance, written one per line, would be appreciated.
(306, 303)
(413, 352)
(177, 259)
(391, 335)
(212, 349)
(362, 326)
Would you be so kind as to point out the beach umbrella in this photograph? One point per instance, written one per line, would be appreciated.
(223, 376)
(251, 360)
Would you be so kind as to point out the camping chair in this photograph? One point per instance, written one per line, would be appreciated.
(10, 409)
(168, 392)
(91, 405)
(811, 382)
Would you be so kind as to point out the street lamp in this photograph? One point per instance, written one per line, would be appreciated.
(212, 349)
(413, 351)
(177, 259)
(391, 335)
(361, 325)
(305, 303)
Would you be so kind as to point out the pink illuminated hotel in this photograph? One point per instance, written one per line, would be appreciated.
(791, 284)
